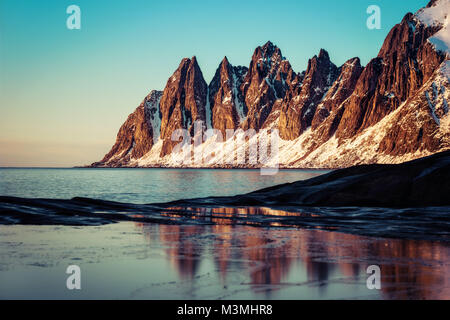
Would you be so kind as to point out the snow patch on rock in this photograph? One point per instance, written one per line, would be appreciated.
(438, 15)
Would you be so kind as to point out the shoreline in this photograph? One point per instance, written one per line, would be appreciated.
(172, 168)
(375, 200)
(175, 168)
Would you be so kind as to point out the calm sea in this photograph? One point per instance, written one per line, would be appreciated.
(131, 260)
(139, 185)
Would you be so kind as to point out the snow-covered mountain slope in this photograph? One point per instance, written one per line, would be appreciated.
(392, 110)
(436, 14)
(138, 134)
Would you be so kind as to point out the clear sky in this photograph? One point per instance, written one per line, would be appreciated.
(64, 93)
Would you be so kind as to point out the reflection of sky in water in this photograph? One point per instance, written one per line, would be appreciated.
(142, 261)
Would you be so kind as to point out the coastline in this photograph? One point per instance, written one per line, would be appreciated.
(373, 200)
(207, 168)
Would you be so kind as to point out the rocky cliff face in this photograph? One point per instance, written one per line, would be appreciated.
(297, 113)
(268, 79)
(138, 134)
(392, 110)
(183, 102)
(404, 64)
(341, 89)
(228, 109)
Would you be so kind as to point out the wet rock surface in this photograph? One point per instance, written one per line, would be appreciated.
(409, 200)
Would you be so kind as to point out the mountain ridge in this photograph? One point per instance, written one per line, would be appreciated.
(392, 110)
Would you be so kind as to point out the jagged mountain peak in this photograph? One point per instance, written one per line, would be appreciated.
(269, 48)
(298, 113)
(194, 62)
(431, 3)
(436, 13)
(188, 62)
(268, 79)
(394, 108)
(269, 44)
(436, 16)
(183, 101)
(341, 89)
(351, 64)
(356, 60)
(226, 100)
(225, 64)
(225, 60)
(186, 65)
(268, 53)
(184, 62)
(320, 61)
(226, 70)
(323, 54)
(435, 3)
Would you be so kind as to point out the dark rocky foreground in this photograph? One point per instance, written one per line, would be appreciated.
(420, 183)
(409, 200)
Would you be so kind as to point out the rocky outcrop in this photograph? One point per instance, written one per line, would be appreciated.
(226, 99)
(183, 102)
(424, 127)
(342, 88)
(419, 183)
(404, 63)
(268, 79)
(408, 200)
(297, 113)
(137, 135)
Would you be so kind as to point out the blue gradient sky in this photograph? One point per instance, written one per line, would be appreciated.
(65, 93)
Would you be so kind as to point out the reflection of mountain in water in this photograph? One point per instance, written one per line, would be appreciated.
(411, 269)
(409, 201)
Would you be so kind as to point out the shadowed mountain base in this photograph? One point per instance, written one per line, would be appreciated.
(420, 183)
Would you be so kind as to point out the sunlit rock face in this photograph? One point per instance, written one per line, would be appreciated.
(138, 134)
(227, 104)
(297, 114)
(269, 78)
(392, 110)
(183, 102)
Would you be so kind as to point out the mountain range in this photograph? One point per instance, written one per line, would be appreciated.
(392, 110)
